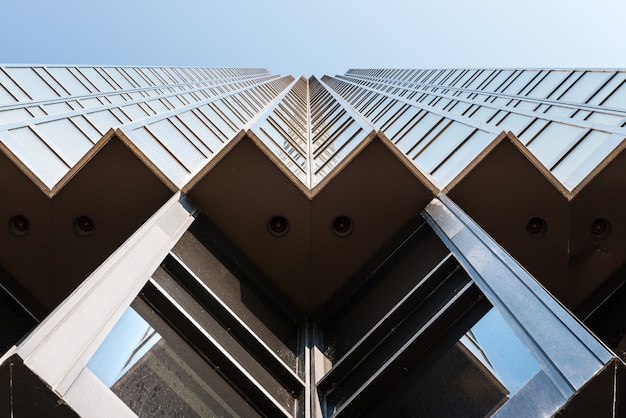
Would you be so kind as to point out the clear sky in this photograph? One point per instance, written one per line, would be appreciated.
(315, 37)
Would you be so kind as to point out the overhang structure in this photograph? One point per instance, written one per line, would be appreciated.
(231, 242)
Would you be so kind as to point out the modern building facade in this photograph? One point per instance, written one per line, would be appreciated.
(232, 242)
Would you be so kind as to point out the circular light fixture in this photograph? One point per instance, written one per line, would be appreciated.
(536, 227)
(342, 226)
(19, 225)
(83, 226)
(600, 228)
(278, 226)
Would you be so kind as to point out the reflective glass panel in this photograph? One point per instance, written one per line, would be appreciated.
(66, 139)
(585, 157)
(176, 143)
(553, 142)
(33, 152)
(68, 81)
(149, 367)
(548, 84)
(559, 111)
(495, 345)
(16, 92)
(158, 154)
(14, 115)
(442, 146)
(584, 86)
(531, 131)
(520, 82)
(201, 130)
(514, 122)
(30, 82)
(461, 157)
(608, 88)
(606, 119)
(412, 139)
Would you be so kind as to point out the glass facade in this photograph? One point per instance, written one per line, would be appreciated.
(318, 252)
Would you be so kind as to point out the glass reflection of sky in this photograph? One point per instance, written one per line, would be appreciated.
(129, 340)
(501, 351)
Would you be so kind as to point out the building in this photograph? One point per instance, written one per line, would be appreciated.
(232, 242)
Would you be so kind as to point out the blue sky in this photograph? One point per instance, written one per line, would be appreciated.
(315, 37)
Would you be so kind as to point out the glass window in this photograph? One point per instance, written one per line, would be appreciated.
(494, 344)
(216, 120)
(605, 119)
(149, 145)
(402, 122)
(514, 122)
(584, 157)
(61, 107)
(87, 128)
(483, 114)
(5, 96)
(190, 135)
(96, 79)
(548, 84)
(103, 120)
(531, 131)
(15, 115)
(36, 111)
(526, 105)
(51, 82)
(118, 78)
(554, 142)
(66, 139)
(442, 146)
(33, 151)
(284, 149)
(412, 141)
(204, 133)
(559, 111)
(584, 86)
(520, 82)
(618, 98)
(461, 157)
(617, 79)
(581, 114)
(90, 102)
(134, 112)
(341, 143)
(32, 83)
(13, 91)
(156, 373)
(176, 143)
(497, 81)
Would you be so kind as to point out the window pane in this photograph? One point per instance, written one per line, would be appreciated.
(68, 81)
(548, 84)
(584, 87)
(156, 373)
(30, 82)
(461, 157)
(585, 157)
(553, 142)
(443, 146)
(514, 122)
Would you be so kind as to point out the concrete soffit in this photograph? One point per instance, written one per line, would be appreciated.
(111, 191)
(246, 185)
(571, 241)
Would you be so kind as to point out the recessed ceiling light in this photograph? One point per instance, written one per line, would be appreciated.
(19, 225)
(83, 226)
(278, 226)
(342, 226)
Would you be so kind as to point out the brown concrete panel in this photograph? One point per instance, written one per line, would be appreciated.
(504, 188)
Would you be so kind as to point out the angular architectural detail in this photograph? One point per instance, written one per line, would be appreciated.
(231, 242)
